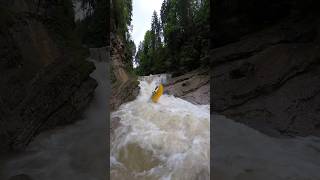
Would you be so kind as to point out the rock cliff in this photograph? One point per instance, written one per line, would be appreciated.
(193, 86)
(267, 75)
(44, 76)
(124, 85)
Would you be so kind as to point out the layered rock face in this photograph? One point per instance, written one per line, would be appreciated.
(269, 76)
(193, 86)
(124, 85)
(44, 83)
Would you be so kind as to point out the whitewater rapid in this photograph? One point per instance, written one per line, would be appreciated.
(74, 152)
(165, 140)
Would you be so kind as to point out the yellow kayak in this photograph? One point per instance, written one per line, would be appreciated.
(157, 93)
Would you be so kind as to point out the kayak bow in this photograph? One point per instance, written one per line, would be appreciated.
(157, 93)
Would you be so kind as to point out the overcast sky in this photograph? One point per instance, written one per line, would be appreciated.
(141, 18)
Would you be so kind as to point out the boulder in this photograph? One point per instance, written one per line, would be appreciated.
(124, 85)
(193, 86)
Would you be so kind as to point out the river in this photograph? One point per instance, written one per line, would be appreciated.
(165, 140)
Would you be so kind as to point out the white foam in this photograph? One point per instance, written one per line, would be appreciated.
(175, 131)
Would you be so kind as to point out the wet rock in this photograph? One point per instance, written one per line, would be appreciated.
(44, 82)
(269, 80)
(20, 177)
(116, 123)
(124, 92)
(193, 86)
(124, 85)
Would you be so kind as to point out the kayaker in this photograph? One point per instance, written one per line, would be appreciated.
(157, 93)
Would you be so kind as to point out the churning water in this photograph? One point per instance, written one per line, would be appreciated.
(165, 140)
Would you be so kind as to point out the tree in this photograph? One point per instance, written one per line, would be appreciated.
(155, 31)
(122, 13)
(183, 24)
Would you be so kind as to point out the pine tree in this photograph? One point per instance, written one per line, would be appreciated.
(183, 26)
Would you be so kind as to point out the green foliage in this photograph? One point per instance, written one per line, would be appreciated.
(94, 31)
(121, 14)
(155, 31)
(130, 50)
(184, 28)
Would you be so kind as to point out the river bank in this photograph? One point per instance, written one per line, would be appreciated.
(193, 86)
